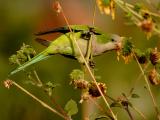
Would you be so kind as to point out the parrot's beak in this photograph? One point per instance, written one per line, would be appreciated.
(119, 43)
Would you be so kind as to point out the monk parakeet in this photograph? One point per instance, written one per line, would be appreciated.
(64, 45)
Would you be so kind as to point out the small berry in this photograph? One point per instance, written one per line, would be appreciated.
(147, 25)
(153, 77)
(57, 7)
(7, 83)
(154, 56)
(80, 84)
(93, 90)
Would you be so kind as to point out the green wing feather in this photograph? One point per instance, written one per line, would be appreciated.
(63, 44)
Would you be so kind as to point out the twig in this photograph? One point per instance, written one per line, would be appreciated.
(129, 113)
(145, 11)
(101, 108)
(89, 50)
(36, 75)
(140, 75)
(88, 68)
(58, 107)
(149, 89)
(138, 111)
(40, 101)
(128, 7)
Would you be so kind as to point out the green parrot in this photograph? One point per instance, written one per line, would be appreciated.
(65, 46)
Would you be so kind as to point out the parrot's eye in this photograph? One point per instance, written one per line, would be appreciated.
(113, 40)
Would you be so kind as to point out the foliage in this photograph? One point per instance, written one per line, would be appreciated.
(85, 80)
(71, 107)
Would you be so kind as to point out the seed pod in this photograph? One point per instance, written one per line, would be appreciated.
(80, 84)
(147, 25)
(57, 7)
(153, 77)
(154, 56)
(93, 90)
(142, 59)
(141, 56)
(7, 83)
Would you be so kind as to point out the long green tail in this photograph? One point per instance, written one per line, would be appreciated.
(39, 57)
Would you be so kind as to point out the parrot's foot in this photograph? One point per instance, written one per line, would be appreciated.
(86, 35)
(92, 64)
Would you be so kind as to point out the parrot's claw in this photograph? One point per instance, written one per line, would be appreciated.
(92, 64)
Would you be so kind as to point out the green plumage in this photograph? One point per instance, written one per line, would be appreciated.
(64, 44)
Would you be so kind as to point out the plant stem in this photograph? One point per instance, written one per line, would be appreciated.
(129, 113)
(40, 101)
(58, 107)
(101, 109)
(129, 8)
(89, 50)
(36, 75)
(139, 76)
(149, 89)
(92, 76)
(88, 68)
(143, 10)
(139, 112)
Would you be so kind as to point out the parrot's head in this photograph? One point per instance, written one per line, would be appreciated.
(116, 42)
(112, 42)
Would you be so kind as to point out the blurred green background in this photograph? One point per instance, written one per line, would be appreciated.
(20, 19)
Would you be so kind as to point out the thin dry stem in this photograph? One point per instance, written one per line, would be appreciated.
(101, 109)
(36, 75)
(89, 50)
(40, 101)
(139, 112)
(94, 14)
(128, 7)
(149, 88)
(88, 68)
(139, 76)
(129, 113)
(143, 10)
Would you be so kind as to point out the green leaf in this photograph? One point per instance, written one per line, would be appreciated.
(106, 2)
(137, 7)
(77, 74)
(127, 47)
(128, 15)
(49, 86)
(135, 96)
(115, 104)
(71, 107)
(102, 118)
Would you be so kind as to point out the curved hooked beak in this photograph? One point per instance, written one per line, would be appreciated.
(119, 43)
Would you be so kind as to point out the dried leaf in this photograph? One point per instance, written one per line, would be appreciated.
(107, 7)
